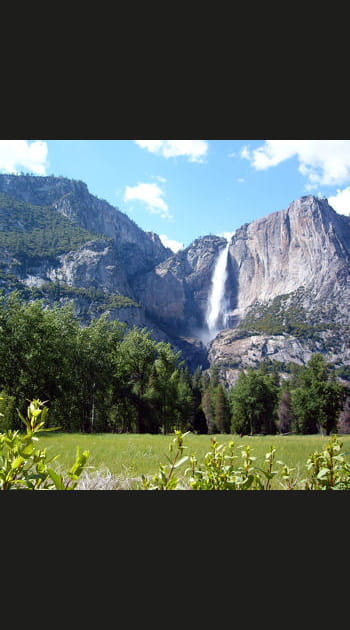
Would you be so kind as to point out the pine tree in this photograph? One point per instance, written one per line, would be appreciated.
(207, 406)
(284, 412)
(318, 398)
(221, 410)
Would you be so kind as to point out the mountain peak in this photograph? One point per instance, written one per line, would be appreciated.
(310, 203)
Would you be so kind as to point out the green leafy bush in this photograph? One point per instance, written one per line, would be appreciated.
(24, 467)
(328, 469)
(220, 470)
(165, 479)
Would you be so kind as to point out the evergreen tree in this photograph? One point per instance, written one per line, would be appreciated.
(253, 401)
(317, 399)
(207, 407)
(284, 411)
(184, 402)
(198, 422)
(222, 410)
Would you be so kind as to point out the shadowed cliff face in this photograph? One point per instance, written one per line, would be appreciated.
(176, 291)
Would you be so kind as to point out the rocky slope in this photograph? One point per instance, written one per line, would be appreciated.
(287, 292)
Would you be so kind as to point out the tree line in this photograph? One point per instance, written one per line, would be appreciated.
(104, 377)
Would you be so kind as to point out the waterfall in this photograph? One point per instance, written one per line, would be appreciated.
(216, 304)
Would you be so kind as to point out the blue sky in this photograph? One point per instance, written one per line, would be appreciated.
(184, 189)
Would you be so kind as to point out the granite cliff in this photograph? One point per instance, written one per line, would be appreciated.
(292, 276)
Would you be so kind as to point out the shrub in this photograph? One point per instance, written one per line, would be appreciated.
(24, 467)
(326, 470)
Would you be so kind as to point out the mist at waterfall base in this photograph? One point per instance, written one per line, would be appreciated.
(216, 315)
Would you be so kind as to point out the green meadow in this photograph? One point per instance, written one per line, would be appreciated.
(128, 456)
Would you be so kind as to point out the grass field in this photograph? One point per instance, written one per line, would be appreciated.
(128, 456)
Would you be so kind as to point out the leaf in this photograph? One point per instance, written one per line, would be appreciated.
(79, 464)
(27, 450)
(323, 472)
(23, 418)
(17, 462)
(35, 412)
(247, 482)
(57, 479)
(181, 461)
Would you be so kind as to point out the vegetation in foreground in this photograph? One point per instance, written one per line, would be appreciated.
(128, 456)
(223, 467)
(229, 468)
(24, 467)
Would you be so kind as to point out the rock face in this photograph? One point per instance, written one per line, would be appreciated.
(291, 272)
(95, 264)
(176, 291)
(287, 291)
(308, 245)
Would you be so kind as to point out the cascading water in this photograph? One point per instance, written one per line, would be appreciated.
(216, 305)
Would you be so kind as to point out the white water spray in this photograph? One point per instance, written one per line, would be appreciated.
(216, 305)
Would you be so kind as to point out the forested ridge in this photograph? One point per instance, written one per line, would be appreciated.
(33, 232)
(105, 377)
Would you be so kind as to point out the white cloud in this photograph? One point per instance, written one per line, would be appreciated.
(240, 180)
(194, 150)
(341, 201)
(16, 155)
(175, 246)
(245, 153)
(322, 162)
(151, 195)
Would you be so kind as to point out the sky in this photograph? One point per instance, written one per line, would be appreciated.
(185, 189)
